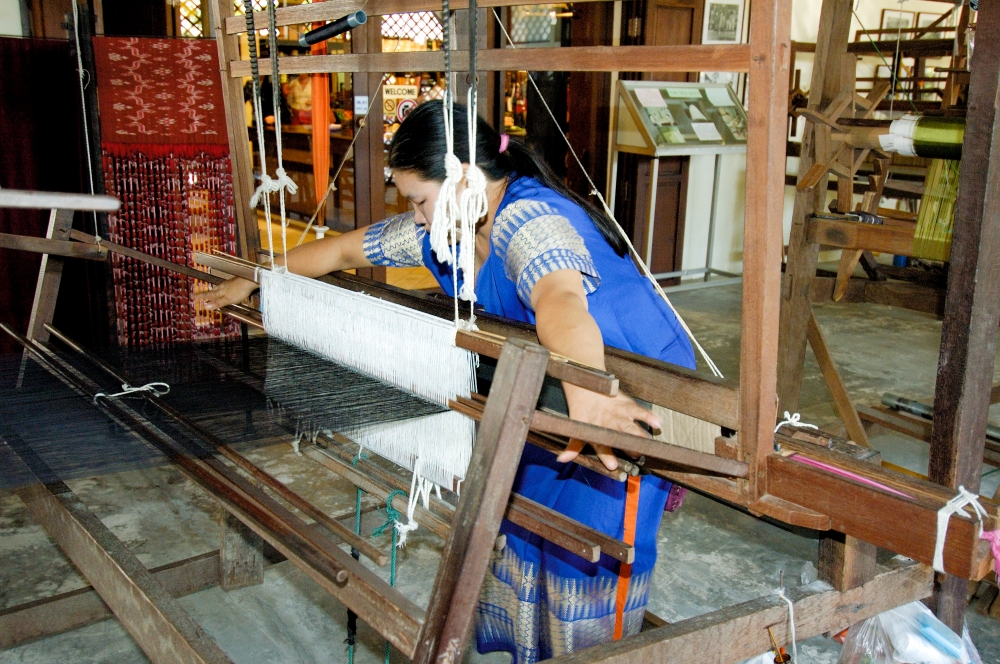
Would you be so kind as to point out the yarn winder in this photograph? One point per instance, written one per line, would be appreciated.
(830, 492)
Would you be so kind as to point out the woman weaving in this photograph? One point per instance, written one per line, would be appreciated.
(547, 257)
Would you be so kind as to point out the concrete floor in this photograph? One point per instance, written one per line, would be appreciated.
(710, 556)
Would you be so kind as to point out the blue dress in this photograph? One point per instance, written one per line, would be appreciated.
(539, 600)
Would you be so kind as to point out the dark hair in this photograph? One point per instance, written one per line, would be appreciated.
(419, 146)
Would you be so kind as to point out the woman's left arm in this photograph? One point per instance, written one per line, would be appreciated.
(566, 327)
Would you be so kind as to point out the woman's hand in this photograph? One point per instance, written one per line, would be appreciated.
(231, 292)
(618, 412)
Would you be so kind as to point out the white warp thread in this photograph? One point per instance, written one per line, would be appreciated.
(409, 349)
(780, 592)
(956, 505)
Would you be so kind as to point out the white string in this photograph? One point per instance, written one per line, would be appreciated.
(780, 592)
(83, 103)
(283, 182)
(795, 421)
(895, 62)
(611, 215)
(956, 505)
(420, 490)
(156, 389)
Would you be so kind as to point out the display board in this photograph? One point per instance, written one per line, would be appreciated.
(660, 118)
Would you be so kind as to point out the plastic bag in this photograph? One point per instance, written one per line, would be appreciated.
(766, 658)
(909, 634)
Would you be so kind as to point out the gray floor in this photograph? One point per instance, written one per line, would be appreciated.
(710, 556)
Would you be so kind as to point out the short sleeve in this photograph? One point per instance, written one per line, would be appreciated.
(533, 239)
(395, 242)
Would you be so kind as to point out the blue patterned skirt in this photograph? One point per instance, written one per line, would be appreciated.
(539, 600)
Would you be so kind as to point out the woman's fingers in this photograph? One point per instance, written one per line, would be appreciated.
(637, 412)
(607, 457)
(571, 452)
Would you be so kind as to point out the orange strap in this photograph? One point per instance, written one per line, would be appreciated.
(625, 569)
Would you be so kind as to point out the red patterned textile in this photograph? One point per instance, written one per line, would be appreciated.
(166, 156)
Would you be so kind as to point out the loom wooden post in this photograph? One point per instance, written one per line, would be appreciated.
(972, 304)
(796, 287)
(241, 554)
(841, 399)
(369, 151)
(43, 308)
(770, 46)
(486, 489)
(241, 158)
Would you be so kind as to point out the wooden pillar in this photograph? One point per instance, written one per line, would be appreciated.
(770, 48)
(369, 151)
(831, 44)
(49, 277)
(972, 304)
(239, 139)
(241, 554)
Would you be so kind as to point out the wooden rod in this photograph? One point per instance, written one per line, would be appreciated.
(41, 245)
(567, 58)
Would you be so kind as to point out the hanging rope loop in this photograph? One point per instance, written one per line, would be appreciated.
(780, 592)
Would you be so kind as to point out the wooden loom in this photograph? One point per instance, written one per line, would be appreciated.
(773, 484)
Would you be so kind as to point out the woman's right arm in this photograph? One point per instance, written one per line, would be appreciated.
(313, 259)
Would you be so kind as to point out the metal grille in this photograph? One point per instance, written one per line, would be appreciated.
(258, 6)
(191, 18)
(418, 26)
(533, 24)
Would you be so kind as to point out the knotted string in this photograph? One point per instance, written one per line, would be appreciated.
(420, 489)
(795, 421)
(956, 505)
(780, 592)
(156, 389)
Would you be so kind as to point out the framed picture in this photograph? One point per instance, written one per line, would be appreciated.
(926, 18)
(723, 22)
(896, 19)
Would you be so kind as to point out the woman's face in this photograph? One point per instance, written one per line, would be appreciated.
(423, 194)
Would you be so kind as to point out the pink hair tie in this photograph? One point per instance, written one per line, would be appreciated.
(504, 140)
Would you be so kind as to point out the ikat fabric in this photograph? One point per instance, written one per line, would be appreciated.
(160, 91)
(395, 242)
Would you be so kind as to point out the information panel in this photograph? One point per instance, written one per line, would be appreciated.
(659, 118)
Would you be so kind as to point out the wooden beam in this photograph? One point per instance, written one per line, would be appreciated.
(565, 58)
(467, 551)
(236, 126)
(864, 512)
(50, 200)
(739, 632)
(796, 287)
(334, 9)
(972, 306)
(369, 153)
(81, 607)
(40, 245)
(154, 619)
(841, 398)
(43, 308)
(907, 295)
(770, 43)
(856, 235)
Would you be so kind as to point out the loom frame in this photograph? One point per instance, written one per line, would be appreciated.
(777, 487)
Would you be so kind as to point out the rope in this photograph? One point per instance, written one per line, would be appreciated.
(795, 421)
(611, 215)
(780, 592)
(472, 204)
(392, 516)
(156, 389)
(420, 489)
(956, 505)
(283, 181)
(263, 190)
